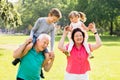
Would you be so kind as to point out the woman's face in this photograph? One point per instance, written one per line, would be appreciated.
(78, 38)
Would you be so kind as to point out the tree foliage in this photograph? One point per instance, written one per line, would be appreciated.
(105, 13)
(9, 15)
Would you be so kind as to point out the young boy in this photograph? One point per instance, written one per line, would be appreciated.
(43, 25)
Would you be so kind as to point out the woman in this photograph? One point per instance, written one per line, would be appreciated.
(77, 63)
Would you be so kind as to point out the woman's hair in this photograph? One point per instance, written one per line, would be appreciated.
(73, 14)
(55, 12)
(82, 17)
(77, 30)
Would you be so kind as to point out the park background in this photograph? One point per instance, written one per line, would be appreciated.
(17, 19)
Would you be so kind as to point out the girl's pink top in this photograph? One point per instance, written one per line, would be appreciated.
(77, 62)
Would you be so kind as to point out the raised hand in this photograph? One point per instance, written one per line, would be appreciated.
(91, 27)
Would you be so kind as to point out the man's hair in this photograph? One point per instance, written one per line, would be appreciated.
(41, 36)
(55, 12)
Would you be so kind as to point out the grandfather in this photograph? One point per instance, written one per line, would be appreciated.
(32, 62)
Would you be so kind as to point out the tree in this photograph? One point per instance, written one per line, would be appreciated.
(9, 15)
(104, 13)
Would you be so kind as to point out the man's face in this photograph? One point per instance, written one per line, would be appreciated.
(43, 43)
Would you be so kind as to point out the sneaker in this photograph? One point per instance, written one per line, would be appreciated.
(67, 53)
(91, 57)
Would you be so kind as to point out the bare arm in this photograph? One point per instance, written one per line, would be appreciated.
(52, 34)
(18, 53)
(84, 27)
(61, 42)
(47, 66)
(98, 42)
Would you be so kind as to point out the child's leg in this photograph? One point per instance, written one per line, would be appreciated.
(71, 43)
(87, 49)
(69, 36)
(27, 48)
(30, 45)
(87, 46)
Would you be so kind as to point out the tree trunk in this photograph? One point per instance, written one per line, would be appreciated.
(111, 27)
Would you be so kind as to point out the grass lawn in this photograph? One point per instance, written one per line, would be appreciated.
(105, 65)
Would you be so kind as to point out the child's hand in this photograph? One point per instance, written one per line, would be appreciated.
(92, 27)
(68, 28)
(29, 40)
(51, 55)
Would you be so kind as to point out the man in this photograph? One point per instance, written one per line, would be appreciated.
(33, 61)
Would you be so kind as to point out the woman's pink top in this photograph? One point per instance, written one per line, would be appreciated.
(77, 62)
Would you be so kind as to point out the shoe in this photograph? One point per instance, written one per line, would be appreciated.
(67, 53)
(91, 57)
(42, 74)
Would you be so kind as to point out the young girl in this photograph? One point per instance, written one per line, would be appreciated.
(77, 19)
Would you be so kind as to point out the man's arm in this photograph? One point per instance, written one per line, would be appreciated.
(47, 66)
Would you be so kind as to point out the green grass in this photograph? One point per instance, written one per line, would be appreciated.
(105, 65)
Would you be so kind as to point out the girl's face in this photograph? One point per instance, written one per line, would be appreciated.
(78, 38)
(74, 19)
(53, 19)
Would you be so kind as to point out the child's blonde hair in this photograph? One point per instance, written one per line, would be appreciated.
(82, 16)
(73, 14)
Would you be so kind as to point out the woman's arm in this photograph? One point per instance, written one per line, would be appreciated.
(98, 42)
(61, 42)
(18, 53)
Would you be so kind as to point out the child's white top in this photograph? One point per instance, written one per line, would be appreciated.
(76, 25)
